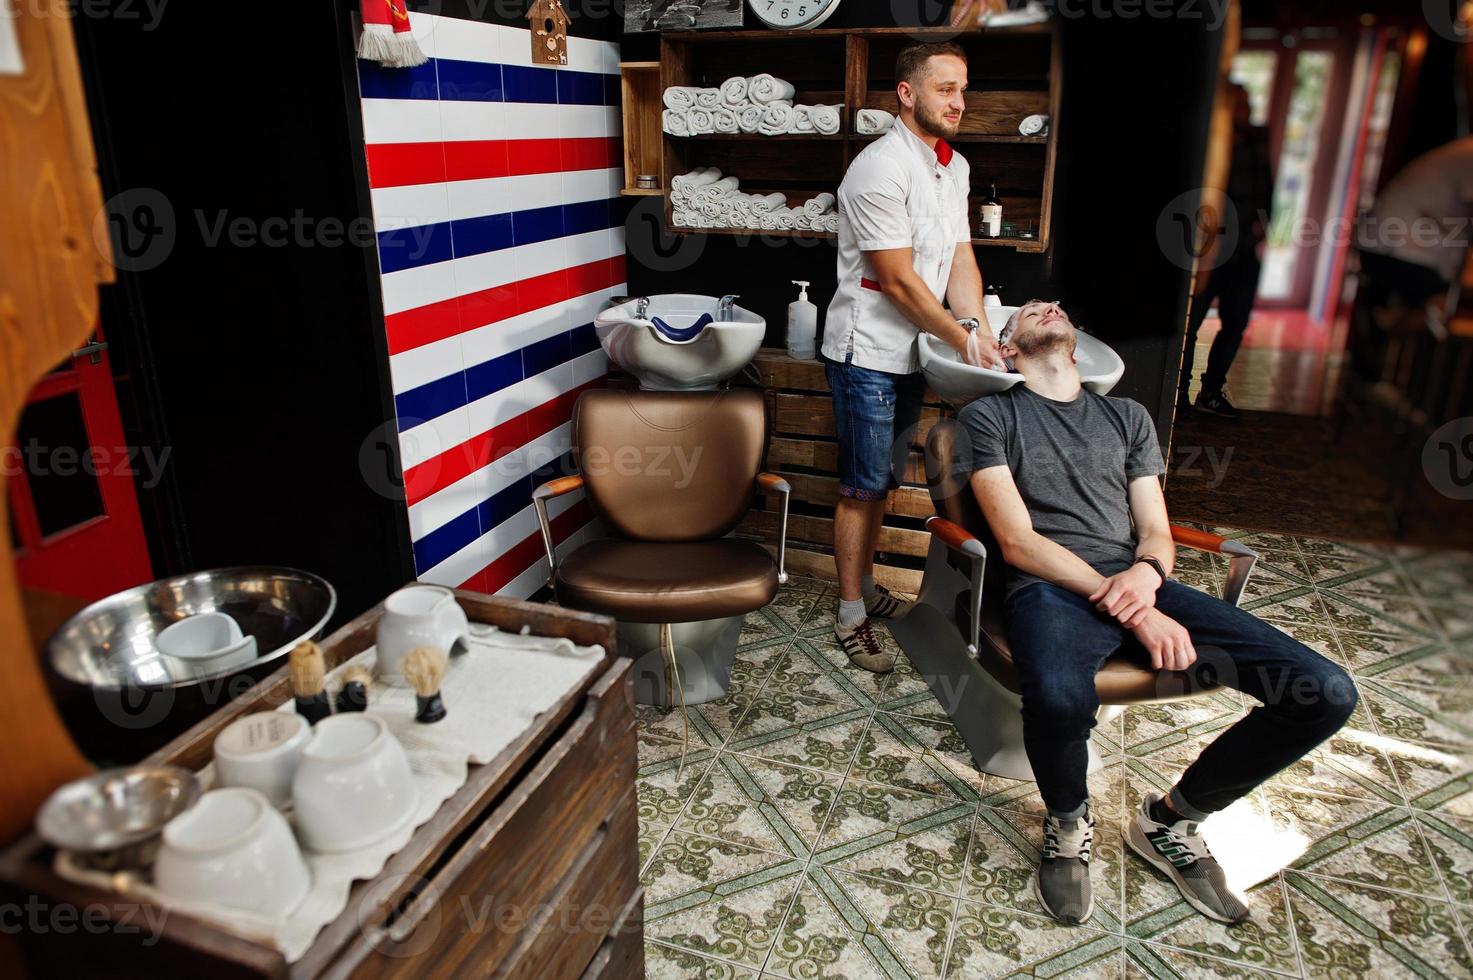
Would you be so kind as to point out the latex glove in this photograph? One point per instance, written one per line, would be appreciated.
(982, 352)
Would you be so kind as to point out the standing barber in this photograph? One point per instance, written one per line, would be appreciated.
(904, 246)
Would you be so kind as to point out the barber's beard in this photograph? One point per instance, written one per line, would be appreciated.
(935, 123)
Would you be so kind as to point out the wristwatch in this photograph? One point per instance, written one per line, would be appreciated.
(1154, 563)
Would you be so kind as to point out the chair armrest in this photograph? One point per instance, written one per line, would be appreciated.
(552, 488)
(1241, 558)
(772, 483)
(963, 542)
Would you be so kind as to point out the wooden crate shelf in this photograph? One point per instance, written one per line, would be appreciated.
(1014, 72)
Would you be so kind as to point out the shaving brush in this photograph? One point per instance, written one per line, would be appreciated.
(307, 670)
(354, 695)
(424, 668)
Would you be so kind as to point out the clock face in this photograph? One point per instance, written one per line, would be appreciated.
(793, 14)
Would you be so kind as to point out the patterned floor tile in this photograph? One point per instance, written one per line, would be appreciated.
(1331, 561)
(663, 962)
(802, 732)
(761, 804)
(1432, 777)
(755, 661)
(710, 723)
(1146, 961)
(1106, 792)
(1150, 727)
(909, 694)
(909, 838)
(1350, 930)
(1295, 606)
(1450, 839)
(803, 670)
(1350, 764)
(1383, 616)
(1441, 716)
(1441, 577)
(662, 787)
(900, 751)
(1157, 913)
(1384, 579)
(996, 942)
(1453, 618)
(827, 649)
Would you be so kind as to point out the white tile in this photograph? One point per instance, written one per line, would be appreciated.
(467, 40)
(421, 365)
(578, 121)
(499, 195)
(585, 54)
(530, 120)
(481, 344)
(515, 45)
(510, 532)
(587, 185)
(401, 120)
(477, 272)
(425, 28)
(527, 459)
(459, 567)
(582, 309)
(408, 207)
(408, 289)
(589, 367)
(429, 439)
(467, 120)
(534, 578)
(445, 505)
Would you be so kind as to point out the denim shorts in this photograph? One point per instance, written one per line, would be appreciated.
(875, 415)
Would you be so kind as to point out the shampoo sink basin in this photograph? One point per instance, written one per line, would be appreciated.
(679, 341)
(959, 383)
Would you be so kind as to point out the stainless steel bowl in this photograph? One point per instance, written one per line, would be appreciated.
(110, 644)
(113, 818)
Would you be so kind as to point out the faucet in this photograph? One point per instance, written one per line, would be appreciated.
(724, 307)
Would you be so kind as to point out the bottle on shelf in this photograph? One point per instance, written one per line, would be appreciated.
(992, 296)
(991, 214)
(802, 325)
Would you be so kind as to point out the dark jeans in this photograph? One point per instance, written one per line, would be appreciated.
(1233, 284)
(1059, 641)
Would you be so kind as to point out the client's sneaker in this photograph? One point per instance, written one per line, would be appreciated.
(1062, 884)
(1178, 851)
(1216, 403)
(863, 647)
(885, 604)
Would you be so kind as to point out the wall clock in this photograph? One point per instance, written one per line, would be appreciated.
(793, 14)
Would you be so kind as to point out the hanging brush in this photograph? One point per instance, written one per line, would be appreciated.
(354, 695)
(424, 668)
(307, 671)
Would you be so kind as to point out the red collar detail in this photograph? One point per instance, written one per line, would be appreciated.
(943, 152)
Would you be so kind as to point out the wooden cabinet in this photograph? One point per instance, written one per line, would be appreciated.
(530, 870)
(1012, 73)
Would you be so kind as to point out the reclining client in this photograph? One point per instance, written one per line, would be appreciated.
(1069, 483)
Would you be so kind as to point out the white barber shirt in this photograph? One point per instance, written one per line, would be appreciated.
(898, 192)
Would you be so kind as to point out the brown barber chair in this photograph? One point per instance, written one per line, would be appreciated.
(957, 639)
(670, 473)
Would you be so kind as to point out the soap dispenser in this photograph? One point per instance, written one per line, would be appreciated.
(802, 325)
(993, 296)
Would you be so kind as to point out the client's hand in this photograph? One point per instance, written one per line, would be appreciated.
(1166, 641)
(982, 351)
(1128, 595)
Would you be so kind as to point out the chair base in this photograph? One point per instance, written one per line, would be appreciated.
(987, 715)
(704, 653)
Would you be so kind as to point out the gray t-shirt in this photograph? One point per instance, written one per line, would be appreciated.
(1073, 463)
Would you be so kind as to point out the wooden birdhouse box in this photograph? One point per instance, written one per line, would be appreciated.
(549, 32)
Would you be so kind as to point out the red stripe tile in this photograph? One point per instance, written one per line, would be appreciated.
(527, 552)
(476, 159)
(534, 156)
(401, 164)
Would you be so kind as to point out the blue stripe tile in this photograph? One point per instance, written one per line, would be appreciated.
(551, 470)
(408, 248)
(470, 81)
(582, 340)
(586, 216)
(505, 503)
(487, 233)
(537, 224)
(492, 376)
(523, 84)
(447, 539)
(580, 88)
(613, 93)
(545, 354)
(430, 400)
(377, 82)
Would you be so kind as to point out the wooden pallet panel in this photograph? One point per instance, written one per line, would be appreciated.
(803, 528)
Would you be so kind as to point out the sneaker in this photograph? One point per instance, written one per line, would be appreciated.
(1216, 403)
(1062, 884)
(1178, 851)
(885, 604)
(863, 648)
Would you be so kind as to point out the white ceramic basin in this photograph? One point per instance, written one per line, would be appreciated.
(670, 349)
(958, 382)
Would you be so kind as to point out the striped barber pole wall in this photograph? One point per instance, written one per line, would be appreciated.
(495, 200)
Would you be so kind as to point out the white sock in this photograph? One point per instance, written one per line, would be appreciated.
(851, 612)
(867, 586)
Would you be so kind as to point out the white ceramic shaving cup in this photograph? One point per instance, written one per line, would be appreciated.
(354, 786)
(262, 751)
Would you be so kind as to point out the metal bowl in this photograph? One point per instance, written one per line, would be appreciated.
(114, 818)
(110, 645)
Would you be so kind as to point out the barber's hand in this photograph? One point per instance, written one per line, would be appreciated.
(1166, 641)
(981, 351)
(1128, 595)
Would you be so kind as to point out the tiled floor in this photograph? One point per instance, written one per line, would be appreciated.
(829, 823)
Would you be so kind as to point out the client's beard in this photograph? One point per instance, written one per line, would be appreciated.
(1046, 340)
(935, 124)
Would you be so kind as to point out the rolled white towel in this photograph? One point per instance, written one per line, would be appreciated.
(783, 218)
(777, 119)
(802, 220)
(696, 177)
(725, 187)
(676, 122)
(767, 221)
(708, 98)
(831, 222)
(734, 92)
(802, 120)
(749, 119)
(763, 203)
(724, 119)
(824, 118)
(683, 217)
(870, 121)
(819, 204)
(765, 89)
(679, 197)
(1036, 125)
(701, 121)
(680, 97)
